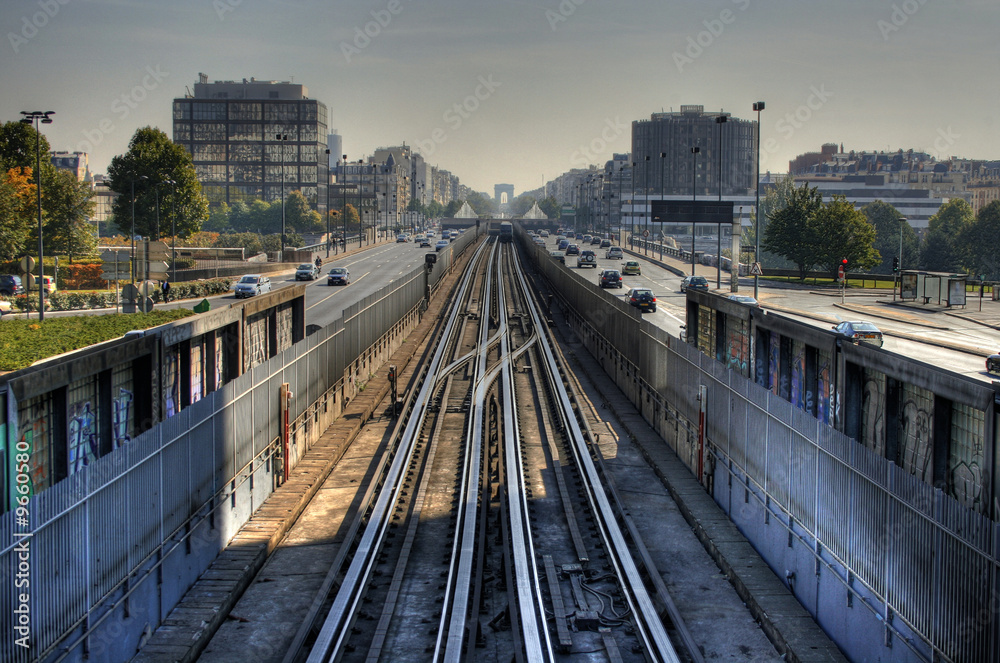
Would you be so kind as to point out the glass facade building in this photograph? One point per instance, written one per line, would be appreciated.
(232, 129)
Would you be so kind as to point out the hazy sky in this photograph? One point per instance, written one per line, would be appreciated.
(522, 91)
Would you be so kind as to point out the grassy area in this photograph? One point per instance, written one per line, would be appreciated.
(23, 342)
(867, 281)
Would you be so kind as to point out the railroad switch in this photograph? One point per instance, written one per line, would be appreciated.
(586, 620)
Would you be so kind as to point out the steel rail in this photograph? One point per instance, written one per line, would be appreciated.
(337, 623)
(649, 627)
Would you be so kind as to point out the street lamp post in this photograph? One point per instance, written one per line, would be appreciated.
(694, 198)
(173, 229)
(720, 120)
(34, 117)
(282, 139)
(758, 106)
(343, 189)
(328, 204)
(899, 272)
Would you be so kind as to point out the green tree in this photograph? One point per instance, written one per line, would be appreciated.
(521, 204)
(18, 149)
(239, 216)
(979, 241)
(434, 210)
(941, 250)
(17, 208)
(452, 209)
(264, 217)
(70, 207)
(218, 219)
(888, 224)
(843, 232)
(299, 217)
(482, 204)
(550, 206)
(789, 230)
(153, 159)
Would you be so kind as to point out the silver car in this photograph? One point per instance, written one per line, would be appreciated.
(252, 284)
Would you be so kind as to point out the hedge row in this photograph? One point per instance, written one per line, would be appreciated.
(73, 301)
(83, 274)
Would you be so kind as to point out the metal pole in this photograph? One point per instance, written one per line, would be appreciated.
(694, 198)
(328, 204)
(281, 147)
(720, 120)
(757, 106)
(343, 209)
(173, 231)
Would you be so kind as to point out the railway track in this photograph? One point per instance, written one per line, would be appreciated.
(487, 533)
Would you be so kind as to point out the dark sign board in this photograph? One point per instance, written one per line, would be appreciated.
(691, 211)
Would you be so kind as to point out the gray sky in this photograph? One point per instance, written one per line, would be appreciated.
(521, 91)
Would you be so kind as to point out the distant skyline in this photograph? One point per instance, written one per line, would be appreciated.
(516, 91)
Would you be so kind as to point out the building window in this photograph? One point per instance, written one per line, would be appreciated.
(214, 193)
(245, 153)
(209, 152)
(245, 193)
(208, 131)
(182, 110)
(182, 131)
(245, 131)
(244, 173)
(244, 111)
(210, 173)
(274, 174)
(278, 152)
(203, 110)
(286, 112)
(271, 131)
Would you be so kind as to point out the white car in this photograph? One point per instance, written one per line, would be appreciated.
(615, 252)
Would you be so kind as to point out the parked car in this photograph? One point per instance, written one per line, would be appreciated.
(338, 276)
(252, 284)
(642, 299)
(586, 259)
(10, 285)
(614, 253)
(558, 255)
(610, 278)
(857, 331)
(993, 364)
(694, 283)
(632, 268)
(572, 250)
(307, 271)
(744, 299)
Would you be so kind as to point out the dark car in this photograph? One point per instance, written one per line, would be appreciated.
(338, 276)
(857, 332)
(610, 278)
(694, 283)
(993, 364)
(572, 250)
(642, 299)
(307, 271)
(11, 285)
(586, 259)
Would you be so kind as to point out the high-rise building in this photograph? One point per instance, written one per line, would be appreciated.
(250, 140)
(665, 165)
(77, 163)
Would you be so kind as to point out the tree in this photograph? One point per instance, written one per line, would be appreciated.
(550, 206)
(888, 223)
(299, 217)
(452, 209)
(842, 232)
(264, 217)
(17, 205)
(482, 204)
(218, 219)
(521, 204)
(941, 251)
(979, 241)
(239, 216)
(434, 210)
(789, 231)
(18, 149)
(151, 160)
(70, 207)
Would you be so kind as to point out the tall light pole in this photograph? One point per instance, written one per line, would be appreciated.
(899, 272)
(758, 106)
(282, 139)
(328, 204)
(720, 120)
(694, 198)
(173, 229)
(343, 189)
(34, 117)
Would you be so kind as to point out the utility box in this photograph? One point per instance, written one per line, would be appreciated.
(430, 258)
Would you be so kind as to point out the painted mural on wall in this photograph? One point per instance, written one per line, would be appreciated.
(916, 424)
(197, 371)
(873, 412)
(121, 417)
(738, 349)
(33, 433)
(967, 471)
(284, 323)
(824, 388)
(798, 375)
(82, 440)
(774, 364)
(171, 382)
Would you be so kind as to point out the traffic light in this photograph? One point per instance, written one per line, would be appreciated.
(895, 264)
(844, 263)
(392, 373)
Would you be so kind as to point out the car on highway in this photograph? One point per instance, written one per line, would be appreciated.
(543, 233)
(441, 243)
(993, 364)
(694, 283)
(572, 250)
(423, 242)
(307, 271)
(858, 331)
(596, 241)
(614, 253)
(563, 243)
(610, 278)
(744, 299)
(586, 259)
(252, 284)
(558, 255)
(632, 268)
(605, 243)
(338, 276)
(642, 299)
(400, 239)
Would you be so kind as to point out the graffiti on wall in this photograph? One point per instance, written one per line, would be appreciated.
(121, 416)
(798, 375)
(873, 412)
(738, 347)
(824, 404)
(82, 438)
(172, 383)
(33, 433)
(774, 363)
